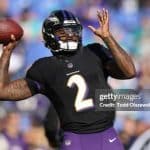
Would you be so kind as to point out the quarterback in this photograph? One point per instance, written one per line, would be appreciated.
(70, 77)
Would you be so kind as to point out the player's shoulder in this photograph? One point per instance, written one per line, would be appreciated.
(96, 48)
(94, 45)
(43, 61)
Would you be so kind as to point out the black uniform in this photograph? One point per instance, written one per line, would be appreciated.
(70, 81)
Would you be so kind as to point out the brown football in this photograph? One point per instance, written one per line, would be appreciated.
(7, 27)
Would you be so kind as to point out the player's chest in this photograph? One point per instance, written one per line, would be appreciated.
(85, 66)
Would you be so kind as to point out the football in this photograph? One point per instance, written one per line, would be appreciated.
(7, 28)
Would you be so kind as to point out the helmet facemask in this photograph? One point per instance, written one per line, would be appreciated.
(68, 38)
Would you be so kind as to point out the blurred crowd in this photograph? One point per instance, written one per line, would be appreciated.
(21, 123)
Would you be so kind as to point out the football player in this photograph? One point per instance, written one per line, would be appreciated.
(70, 78)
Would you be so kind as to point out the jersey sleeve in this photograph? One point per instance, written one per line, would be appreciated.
(35, 80)
(102, 52)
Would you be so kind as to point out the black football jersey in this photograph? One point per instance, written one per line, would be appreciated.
(70, 82)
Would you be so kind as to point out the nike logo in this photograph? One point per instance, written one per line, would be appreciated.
(112, 140)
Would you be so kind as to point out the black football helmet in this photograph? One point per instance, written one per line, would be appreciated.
(61, 19)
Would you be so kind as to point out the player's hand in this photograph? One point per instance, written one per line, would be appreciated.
(11, 45)
(103, 29)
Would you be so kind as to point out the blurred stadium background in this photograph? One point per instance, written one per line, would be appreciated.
(130, 24)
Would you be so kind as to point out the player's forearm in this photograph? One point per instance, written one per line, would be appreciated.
(122, 59)
(4, 65)
(5, 59)
(11, 90)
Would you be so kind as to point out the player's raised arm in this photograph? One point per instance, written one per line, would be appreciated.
(122, 60)
(11, 90)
